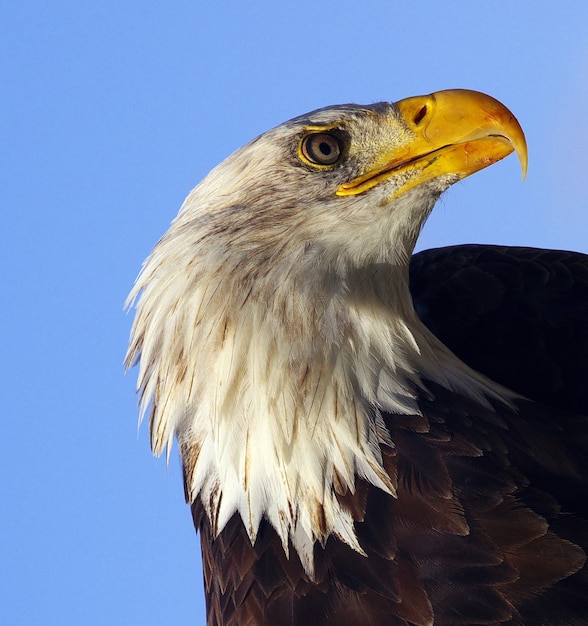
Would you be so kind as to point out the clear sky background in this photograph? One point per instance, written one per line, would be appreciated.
(110, 112)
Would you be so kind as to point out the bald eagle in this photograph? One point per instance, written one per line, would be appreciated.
(354, 454)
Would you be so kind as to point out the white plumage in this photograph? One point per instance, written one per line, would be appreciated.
(272, 332)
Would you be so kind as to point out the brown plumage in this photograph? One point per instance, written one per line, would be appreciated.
(477, 534)
(343, 465)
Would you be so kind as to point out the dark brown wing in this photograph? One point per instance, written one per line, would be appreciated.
(518, 315)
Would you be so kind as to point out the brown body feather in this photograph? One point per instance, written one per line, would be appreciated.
(476, 535)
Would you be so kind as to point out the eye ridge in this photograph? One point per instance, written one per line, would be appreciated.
(322, 148)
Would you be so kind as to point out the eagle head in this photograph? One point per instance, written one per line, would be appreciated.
(274, 322)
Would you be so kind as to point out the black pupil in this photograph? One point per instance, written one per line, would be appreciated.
(325, 148)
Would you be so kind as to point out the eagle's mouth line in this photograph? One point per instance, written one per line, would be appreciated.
(421, 157)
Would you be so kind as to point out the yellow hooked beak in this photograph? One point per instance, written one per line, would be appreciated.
(455, 132)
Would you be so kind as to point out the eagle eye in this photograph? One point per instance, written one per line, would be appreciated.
(321, 149)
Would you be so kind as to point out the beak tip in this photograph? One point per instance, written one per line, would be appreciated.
(521, 152)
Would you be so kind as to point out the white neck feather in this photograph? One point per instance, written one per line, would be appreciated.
(275, 397)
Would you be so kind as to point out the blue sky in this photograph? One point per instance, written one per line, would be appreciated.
(110, 112)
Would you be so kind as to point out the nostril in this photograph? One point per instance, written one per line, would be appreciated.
(420, 114)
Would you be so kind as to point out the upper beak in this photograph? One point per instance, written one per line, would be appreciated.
(449, 132)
